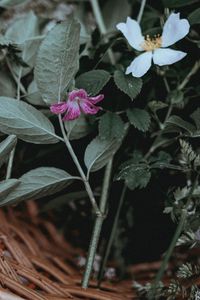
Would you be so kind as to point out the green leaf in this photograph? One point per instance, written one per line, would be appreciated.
(139, 118)
(38, 183)
(20, 32)
(111, 126)
(196, 117)
(34, 97)
(113, 13)
(23, 28)
(136, 175)
(194, 17)
(6, 147)
(7, 186)
(176, 97)
(156, 105)
(7, 86)
(180, 123)
(26, 122)
(93, 81)
(58, 60)
(11, 3)
(128, 84)
(78, 128)
(99, 152)
(178, 3)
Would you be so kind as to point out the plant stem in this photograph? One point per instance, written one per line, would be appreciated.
(82, 174)
(142, 6)
(101, 25)
(169, 252)
(10, 164)
(98, 225)
(112, 235)
(190, 74)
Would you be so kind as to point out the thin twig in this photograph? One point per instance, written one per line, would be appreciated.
(190, 74)
(100, 22)
(140, 14)
(98, 225)
(112, 235)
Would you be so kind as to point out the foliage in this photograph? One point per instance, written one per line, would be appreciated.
(146, 133)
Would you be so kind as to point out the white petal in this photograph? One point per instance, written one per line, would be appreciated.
(164, 57)
(140, 65)
(174, 30)
(132, 32)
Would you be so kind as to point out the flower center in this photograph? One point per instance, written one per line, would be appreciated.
(151, 44)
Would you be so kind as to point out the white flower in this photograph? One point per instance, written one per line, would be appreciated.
(155, 48)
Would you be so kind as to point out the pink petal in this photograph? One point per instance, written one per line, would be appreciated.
(73, 111)
(58, 108)
(96, 99)
(89, 108)
(78, 94)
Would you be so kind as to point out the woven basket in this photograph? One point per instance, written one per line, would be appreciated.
(36, 263)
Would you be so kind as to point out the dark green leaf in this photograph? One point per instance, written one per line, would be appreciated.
(196, 117)
(78, 128)
(113, 13)
(34, 97)
(38, 183)
(58, 60)
(180, 123)
(7, 86)
(178, 3)
(194, 17)
(99, 152)
(139, 118)
(93, 81)
(26, 122)
(6, 147)
(111, 126)
(128, 84)
(136, 175)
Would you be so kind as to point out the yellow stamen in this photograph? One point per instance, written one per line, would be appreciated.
(151, 44)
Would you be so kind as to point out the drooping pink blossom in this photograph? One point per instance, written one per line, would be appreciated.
(78, 102)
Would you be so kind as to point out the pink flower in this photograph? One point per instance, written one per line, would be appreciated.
(78, 101)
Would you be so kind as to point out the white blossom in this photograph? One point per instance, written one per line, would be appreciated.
(155, 48)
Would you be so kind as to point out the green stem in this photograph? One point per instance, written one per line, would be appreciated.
(82, 174)
(10, 164)
(169, 253)
(100, 22)
(98, 225)
(142, 6)
(112, 235)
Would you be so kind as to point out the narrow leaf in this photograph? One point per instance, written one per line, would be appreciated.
(57, 60)
(6, 147)
(38, 183)
(26, 122)
(7, 186)
(180, 123)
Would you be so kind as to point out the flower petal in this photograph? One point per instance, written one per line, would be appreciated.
(174, 30)
(89, 108)
(58, 108)
(73, 111)
(140, 65)
(77, 94)
(132, 32)
(96, 99)
(164, 57)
